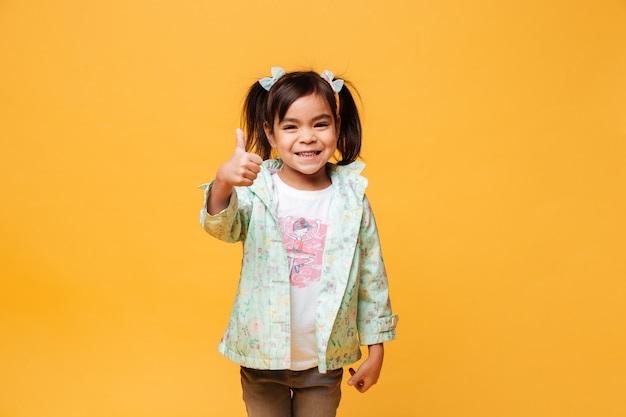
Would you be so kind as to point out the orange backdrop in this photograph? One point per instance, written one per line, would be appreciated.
(495, 138)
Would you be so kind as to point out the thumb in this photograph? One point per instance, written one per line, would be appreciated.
(352, 379)
(241, 144)
(355, 380)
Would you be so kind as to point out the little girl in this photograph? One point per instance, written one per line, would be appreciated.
(313, 286)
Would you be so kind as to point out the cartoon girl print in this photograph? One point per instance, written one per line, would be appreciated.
(301, 232)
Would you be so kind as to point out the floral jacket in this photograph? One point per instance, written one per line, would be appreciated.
(353, 306)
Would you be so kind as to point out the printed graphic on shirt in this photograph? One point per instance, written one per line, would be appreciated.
(304, 241)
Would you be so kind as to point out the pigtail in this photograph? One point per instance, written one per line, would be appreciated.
(350, 134)
(252, 119)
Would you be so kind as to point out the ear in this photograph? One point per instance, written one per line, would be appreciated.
(269, 134)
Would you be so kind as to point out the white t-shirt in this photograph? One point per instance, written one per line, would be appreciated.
(303, 218)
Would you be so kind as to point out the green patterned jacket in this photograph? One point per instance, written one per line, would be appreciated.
(353, 306)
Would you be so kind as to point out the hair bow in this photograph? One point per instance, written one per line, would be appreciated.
(336, 85)
(268, 82)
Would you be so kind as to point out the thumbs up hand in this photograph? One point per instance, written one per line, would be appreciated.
(241, 169)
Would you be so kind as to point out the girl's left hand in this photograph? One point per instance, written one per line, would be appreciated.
(369, 371)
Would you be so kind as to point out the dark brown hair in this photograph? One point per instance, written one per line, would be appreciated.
(263, 106)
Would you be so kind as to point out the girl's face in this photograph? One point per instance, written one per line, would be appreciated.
(306, 139)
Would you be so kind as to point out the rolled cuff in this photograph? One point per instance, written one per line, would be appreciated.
(379, 330)
(204, 214)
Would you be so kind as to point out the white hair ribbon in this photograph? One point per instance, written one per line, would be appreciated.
(336, 85)
(268, 82)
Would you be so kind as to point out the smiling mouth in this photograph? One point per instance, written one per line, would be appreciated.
(308, 154)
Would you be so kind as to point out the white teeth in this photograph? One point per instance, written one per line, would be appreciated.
(307, 153)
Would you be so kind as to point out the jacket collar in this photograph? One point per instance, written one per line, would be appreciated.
(341, 176)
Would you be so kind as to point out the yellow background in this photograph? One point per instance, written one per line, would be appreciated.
(495, 138)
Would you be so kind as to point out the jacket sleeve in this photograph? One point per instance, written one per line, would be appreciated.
(375, 320)
(230, 224)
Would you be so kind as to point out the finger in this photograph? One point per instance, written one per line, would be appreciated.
(240, 143)
(250, 175)
(253, 164)
(256, 159)
(358, 383)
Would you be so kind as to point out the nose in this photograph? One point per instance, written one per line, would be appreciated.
(308, 136)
